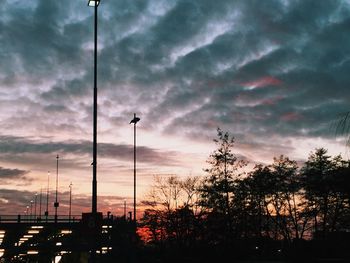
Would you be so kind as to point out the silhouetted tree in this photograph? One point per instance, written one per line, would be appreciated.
(251, 201)
(172, 209)
(271, 201)
(217, 191)
(285, 199)
(321, 179)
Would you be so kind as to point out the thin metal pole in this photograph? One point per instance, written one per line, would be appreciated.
(94, 163)
(40, 199)
(47, 195)
(31, 210)
(124, 209)
(135, 169)
(70, 201)
(56, 196)
(27, 213)
(94, 154)
(36, 195)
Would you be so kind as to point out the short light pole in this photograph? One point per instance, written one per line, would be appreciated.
(31, 209)
(27, 209)
(47, 196)
(40, 199)
(56, 204)
(134, 121)
(124, 209)
(36, 195)
(70, 201)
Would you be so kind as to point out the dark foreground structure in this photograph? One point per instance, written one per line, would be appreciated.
(108, 239)
(73, 239)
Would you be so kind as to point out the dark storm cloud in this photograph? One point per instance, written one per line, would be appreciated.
(10, 145)
(255, 68)
(35, 37)
(6, 173)
(306, 53)
(13, 202)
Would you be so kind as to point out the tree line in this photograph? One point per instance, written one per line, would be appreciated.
(283, 200)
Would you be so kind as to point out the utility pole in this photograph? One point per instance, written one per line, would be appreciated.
(36, 195)
(56, 204)
(40, 199)
(47, 196)
(70, 200)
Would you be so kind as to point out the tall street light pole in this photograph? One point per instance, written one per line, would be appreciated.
(95, 4)
(56, 204)
(70, 201)
(134, 121)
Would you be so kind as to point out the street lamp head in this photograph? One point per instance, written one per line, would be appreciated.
(93, 2)
(134, 120)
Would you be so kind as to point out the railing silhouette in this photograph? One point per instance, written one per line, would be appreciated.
(41, 219)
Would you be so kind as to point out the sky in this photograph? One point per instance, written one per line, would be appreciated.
(274, 74)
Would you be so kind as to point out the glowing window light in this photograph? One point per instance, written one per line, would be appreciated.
(32, 252)
(33, 231)
(59, 244)
(28, 236)
(2, 235)
(66, 232)
(37, 227)
(2, 231)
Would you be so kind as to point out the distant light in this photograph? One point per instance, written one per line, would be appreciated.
(33, 252)
(66, 231)
(33, 231)
(57, 259)
(37, 227)
(93, 2)
(59, 244)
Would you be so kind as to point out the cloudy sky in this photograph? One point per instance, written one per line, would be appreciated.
(273, 73)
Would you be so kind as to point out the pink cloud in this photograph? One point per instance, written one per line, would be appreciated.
(262, 82)
(291, 116)
(272, 101)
